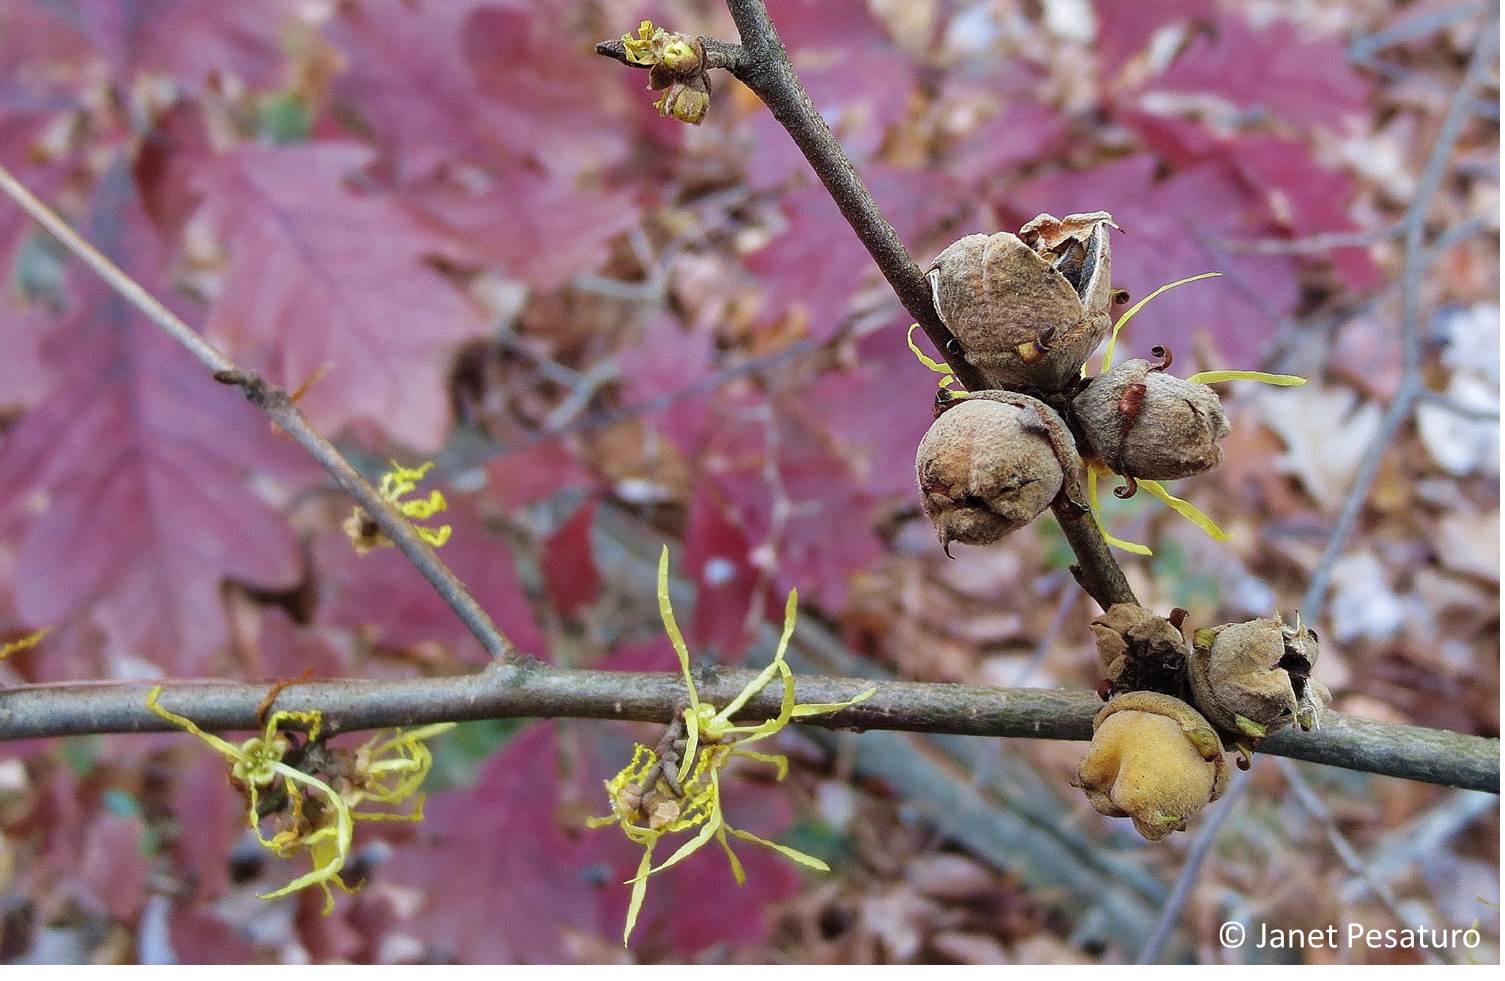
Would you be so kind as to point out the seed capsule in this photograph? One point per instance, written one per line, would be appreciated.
(1141, 651)
(1142, 422)
(1254, 678)
(986, 468)
(1154, 759)
(1028, 309)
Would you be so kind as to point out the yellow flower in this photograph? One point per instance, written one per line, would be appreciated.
(948, 382)
(319, 818)
(640, 49)
(650, 798)
(396, 484)
(1156, 489)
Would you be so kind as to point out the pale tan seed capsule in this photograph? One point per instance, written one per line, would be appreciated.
(986, 468)
(1154, 759)
(1028, 309)
(1142, 422)
(1254, 678)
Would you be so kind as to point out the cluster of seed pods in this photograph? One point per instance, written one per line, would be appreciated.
(1027, 311)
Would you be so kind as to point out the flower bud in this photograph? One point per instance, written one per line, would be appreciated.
(1028, 309)
(1154, 759)
(1142, 422)
(1140, 651)
(1254, 678)
(986, 468)
(686, 100)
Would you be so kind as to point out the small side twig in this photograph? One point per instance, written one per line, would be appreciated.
(1191, 871)
(279, 406)
(762, 63)
(1313, 805)
(1416, 255)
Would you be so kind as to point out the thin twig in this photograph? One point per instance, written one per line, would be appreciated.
(1447, 403)
(1347, 854)
(1325, 242)
(1191, 870)
(277, 404)
(1416, 253)
(1418, 839)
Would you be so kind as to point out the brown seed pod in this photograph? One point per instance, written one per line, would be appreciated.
(1254, 678)
(1142, 422)
(986, 467)
(1154, 759)
(1028, 309)
(1140, 651)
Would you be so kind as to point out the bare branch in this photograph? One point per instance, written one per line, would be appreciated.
(1191, 870)
(1416, 255)
(762, 63)
(277, 404)
(516, 690)
(1312, 802)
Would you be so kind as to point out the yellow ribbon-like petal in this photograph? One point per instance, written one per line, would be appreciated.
(939, 367)
(1129, 314)
(731, 857)
(639, 890)
(790, 853)
(791, 613)
(1097, 517)
(341, 834)
(821, 708)
(1264, 377)
(23, 643)
(225, 748)
(1186, 509)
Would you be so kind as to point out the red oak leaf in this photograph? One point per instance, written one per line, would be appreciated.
(403, 80)
(528, 65)
(1303, 80)
(812, 269)
(322, 277)
(23, 377)
(1176, 228)
(537, 227)
(190, 39)
(1300, 196)
(112, 869)
(499, 880)
(718, 560)
(1308, 198)
(826, 533)
(817, 263)
(1021, 133)
(39, 53)
(568, 562)
(532, 472)
(858, 78)
(876, 411)
(1124, 27)
(476, 81)
(127, 481)
(830, 534)
(665, 360)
